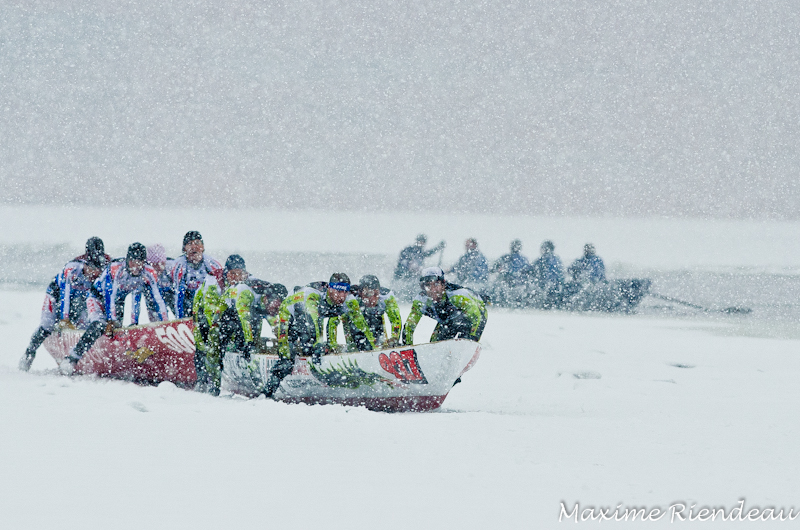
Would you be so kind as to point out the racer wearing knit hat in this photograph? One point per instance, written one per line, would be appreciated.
(301, 320)
(106, 300)
(458, 311)
(374, 302)
(232, 316)
(189, 272)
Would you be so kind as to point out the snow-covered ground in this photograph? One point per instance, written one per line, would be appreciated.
(642, 410)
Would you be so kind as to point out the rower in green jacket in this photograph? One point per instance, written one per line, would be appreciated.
(301, 323)
(458, 311)
(374, 302)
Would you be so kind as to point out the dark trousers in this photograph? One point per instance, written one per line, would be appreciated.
(302, 337)
(457, 326)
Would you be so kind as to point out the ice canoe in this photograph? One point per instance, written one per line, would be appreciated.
(149, 353)
(408, 378)
(415, 378)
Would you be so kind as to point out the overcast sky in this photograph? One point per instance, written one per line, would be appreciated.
(557, 108)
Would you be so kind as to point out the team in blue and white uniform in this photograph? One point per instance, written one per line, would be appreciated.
(66, 295)
(106, 300)
(189, 272)
(162, 265)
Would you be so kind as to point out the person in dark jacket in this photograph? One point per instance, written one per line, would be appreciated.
(589, 268)
(512, 268)
(471, 268)
(412, 258)
(548, 274)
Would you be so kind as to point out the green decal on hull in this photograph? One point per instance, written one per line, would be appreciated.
(346, 375)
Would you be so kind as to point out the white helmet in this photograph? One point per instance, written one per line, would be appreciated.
(431, 274)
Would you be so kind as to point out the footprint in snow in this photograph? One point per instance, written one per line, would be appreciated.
(138, 406)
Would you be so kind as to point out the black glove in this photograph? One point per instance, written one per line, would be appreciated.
(111, 326)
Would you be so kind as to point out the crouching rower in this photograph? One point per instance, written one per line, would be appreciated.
(232, 320)
(374, 302)
(105, 302)
(458, 311)
(301, 318)
(65, 299)
(269, 296)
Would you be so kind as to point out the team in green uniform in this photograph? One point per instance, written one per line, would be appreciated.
(306, 322)
(230, 320)
(374, 302)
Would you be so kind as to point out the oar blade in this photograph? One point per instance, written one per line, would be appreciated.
(737, 310)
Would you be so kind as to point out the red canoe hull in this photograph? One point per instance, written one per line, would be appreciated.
(151, 353)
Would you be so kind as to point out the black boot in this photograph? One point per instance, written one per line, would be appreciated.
(90, 336)
(203, 377)
(279, 372)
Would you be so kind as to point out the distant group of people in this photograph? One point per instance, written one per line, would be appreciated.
(511, 270)
(548, 270)
(228, 306)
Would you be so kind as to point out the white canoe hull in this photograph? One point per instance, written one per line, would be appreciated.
(408, 378)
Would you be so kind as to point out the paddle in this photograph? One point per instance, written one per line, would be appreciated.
(728, 310)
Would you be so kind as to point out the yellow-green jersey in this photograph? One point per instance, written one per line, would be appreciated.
(205, 304)
(302, 315)
(374, 318)
(461, 313)
(239, 297)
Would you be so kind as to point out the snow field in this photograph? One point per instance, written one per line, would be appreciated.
(560, 407)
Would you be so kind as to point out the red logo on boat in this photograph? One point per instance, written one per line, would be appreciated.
(403, 366)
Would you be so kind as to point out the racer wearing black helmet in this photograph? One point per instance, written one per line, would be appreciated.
(458, 311)
(232, 316)
(66, 296)
(269, 296)
(106, 299)
(190, 270)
